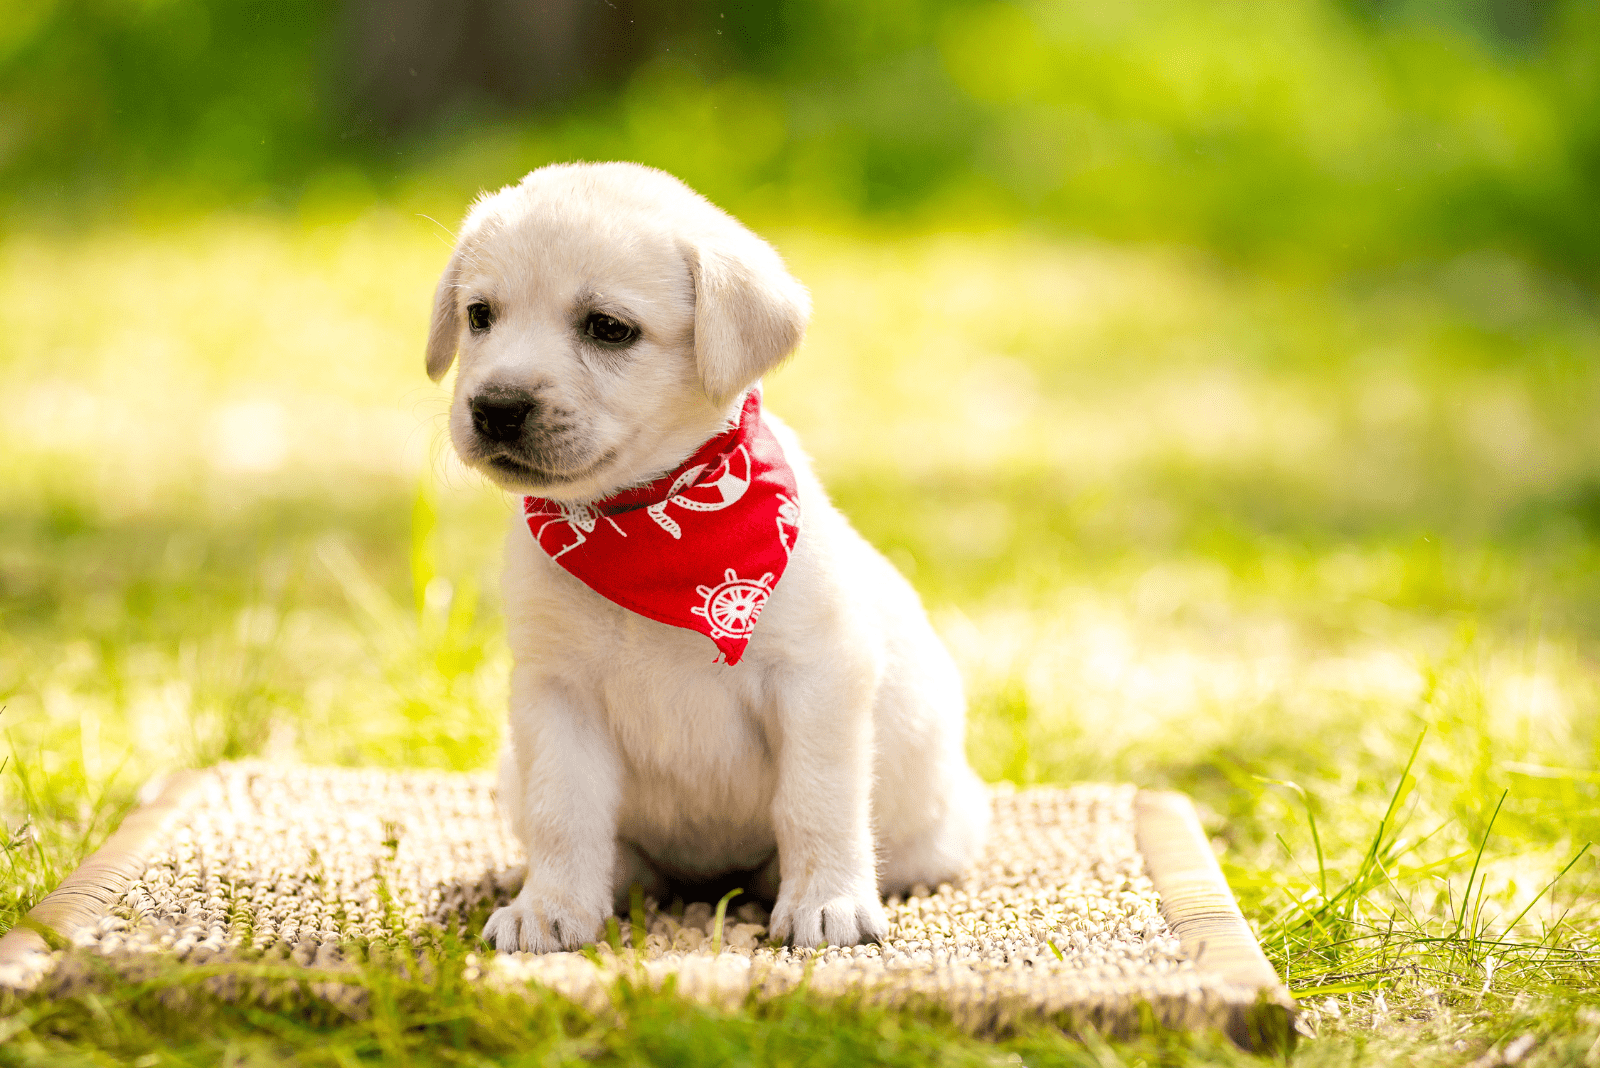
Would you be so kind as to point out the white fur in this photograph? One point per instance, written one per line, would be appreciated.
(838, 740)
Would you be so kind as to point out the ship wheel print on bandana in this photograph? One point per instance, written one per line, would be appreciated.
(732, 606)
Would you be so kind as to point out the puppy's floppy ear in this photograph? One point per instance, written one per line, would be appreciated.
(445, 332)
(749, 312)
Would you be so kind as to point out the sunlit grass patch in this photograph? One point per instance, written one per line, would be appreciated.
(1250, 537)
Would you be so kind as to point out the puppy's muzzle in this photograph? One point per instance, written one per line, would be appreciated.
(499, 417)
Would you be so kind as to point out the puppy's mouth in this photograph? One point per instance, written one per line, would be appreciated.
(524, 473)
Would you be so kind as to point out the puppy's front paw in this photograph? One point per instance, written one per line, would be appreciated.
(535, 927)
(839, 919)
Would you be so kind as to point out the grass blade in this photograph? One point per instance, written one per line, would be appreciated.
(1311, 820)
(722, 915)
(1513, 924)
(1466, 895)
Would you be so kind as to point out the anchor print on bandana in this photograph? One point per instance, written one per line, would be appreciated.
(578, 519)
(674, 550)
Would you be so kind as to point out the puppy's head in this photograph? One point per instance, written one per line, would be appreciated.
(607, 319)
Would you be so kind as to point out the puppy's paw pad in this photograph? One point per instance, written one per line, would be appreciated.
(520, 927)
(847, 921)
(839, 920)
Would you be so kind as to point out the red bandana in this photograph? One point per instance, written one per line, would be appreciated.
(700, 547)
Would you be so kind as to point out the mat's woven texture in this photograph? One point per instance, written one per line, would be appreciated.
(1058, 918)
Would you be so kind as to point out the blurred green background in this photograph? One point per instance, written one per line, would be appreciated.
(1357, 132)
(1223, 373)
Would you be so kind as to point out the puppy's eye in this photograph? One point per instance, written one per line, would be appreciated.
(479, 316)
(603, 327)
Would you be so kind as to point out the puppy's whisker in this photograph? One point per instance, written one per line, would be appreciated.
(448, 244)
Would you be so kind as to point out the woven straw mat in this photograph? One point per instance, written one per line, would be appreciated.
(1060, 918)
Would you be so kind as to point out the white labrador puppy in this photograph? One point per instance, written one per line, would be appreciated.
(609, 323)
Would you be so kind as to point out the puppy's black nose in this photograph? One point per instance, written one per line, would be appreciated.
(500, 418)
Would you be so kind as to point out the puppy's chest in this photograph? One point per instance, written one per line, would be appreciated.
(675, 715)
(698, 775)
(674, 711)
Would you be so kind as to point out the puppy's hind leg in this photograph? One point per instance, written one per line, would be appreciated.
(946, 845)
(931, 809)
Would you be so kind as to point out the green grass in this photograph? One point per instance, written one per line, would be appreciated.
(1322, 551)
